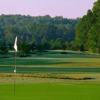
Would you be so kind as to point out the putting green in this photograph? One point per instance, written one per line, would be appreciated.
(50, 92)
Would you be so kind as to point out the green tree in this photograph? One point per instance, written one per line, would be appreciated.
(87, 30)
(3, 49)
(33, 46)
(94, 38)
(39, 49)
(82, 30)
(29, 28)
(24, 49)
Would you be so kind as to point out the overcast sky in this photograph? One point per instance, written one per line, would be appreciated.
(65, 8)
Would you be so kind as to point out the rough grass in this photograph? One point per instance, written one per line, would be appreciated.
(75, 78)
(49, 75)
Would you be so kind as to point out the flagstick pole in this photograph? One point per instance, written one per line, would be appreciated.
(15, 47)
(15, 75)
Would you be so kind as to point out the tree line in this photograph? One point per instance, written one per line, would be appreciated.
(38, 32)
(45, 32)
(88, 30)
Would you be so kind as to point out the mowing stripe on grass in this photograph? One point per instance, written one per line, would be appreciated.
(9, 69)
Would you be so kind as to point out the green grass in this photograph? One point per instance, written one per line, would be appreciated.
(9, 69)
(56, 63)
(32, 88)
(50, 92)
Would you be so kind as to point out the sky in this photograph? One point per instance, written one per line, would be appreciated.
(65, 8)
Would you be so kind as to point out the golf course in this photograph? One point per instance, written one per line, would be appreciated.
(50, 50)
(52, 75)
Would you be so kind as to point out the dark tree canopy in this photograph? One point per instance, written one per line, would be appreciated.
(41, 29)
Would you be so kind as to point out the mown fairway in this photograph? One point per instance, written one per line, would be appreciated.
(50, 92)
(36, 88)
(52, 62)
